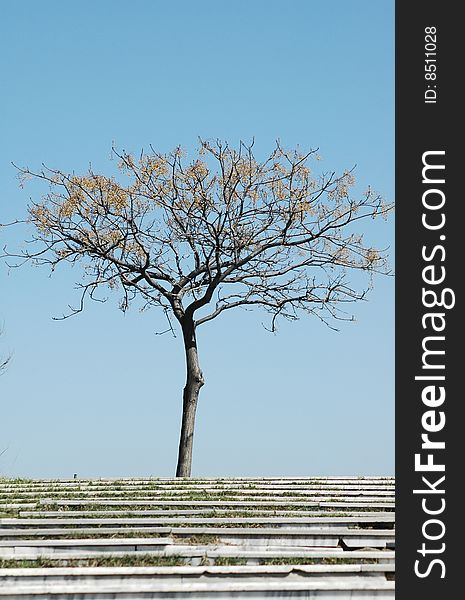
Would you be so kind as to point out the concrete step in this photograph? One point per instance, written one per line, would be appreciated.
(266, 491)
(87, 545)
(73, 575)
(241, 503)
(317, 537)
(83, 499)
(338, 524)
(177, 513)
(172, 489)
(368, 520)
(179, 481)
(329, 590)
(209, 554)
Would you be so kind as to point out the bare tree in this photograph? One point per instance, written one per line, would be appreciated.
(202, 237)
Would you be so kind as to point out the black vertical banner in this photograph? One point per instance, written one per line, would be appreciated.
(430, 447)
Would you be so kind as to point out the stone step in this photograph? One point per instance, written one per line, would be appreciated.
(203, 480)
(262, 502)
(329, 590)
(366, 520)
(88, 545)
(198, 523)
(324, 537)
(364, 496)
(317, 485)
(201, 554)
(73, 575)
(374, 488)
(246, 512)
(84, 499)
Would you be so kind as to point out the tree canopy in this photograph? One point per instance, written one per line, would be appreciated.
(220, 231)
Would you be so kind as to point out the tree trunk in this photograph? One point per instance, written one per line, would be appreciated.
(194, 381)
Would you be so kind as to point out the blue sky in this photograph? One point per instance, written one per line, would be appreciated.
(100, 394)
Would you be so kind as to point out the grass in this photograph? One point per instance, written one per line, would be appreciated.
(5, 480)
(148, 560)
(200, 539)
(120, 532)
(95, 514)
(90, 536)
(229, 561)
(214, 495)
(191, 495)
(263, 508)
(9, 513)
(343, 560)
(189, 490)
(142, 528)
(139, 560)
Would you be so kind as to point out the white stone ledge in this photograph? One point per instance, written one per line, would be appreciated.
(236, 490)
(196, 480)
(75, 573)
(326, 589)
(376, 515)
(225, 502)
(148, 521)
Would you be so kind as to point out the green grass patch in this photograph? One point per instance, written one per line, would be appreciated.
(139, 560)
(89, 536)
(9, 513)
(229, 561)
(201, 539)
(214, 494)
(148, 560)
(343, 560)
(7, 481)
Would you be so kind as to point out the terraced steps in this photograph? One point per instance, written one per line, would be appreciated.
(363, 521)
(328, 537)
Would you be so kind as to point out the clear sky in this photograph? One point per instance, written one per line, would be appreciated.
(100, 394)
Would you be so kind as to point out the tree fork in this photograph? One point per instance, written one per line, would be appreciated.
(194, 381)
